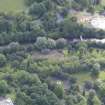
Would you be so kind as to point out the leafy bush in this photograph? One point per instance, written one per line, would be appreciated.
(3, 88)
(61, 43)
(45, 43)
(2, 60)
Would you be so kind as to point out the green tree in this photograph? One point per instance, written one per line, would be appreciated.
(37, 95)
(41, 43)
(91, 9)
(45, 43)
(51, 43)
(82, 48)
(76, 100)
(59, 90)
(70, 28)
(2, 60)
(14, 46)
(37, 9)
(95, 71)
(3, 88)
(84, 3)
(61, 43)
(93, 99)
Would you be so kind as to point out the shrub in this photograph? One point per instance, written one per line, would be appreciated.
(88, 85)
(41, 43)
(51, 43)
(61, 43)
(3, 88)
(2, 60)
(95, 70)
(44, 43)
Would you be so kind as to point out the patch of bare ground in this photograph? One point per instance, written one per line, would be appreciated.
(52, 55)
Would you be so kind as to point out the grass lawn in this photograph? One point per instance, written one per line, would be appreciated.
(102, 75)
(11, 5)
(84, 76)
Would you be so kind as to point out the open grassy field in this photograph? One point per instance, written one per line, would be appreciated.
(11, 5)
(83, 76)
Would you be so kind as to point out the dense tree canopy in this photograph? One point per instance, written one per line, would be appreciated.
(44, 59)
